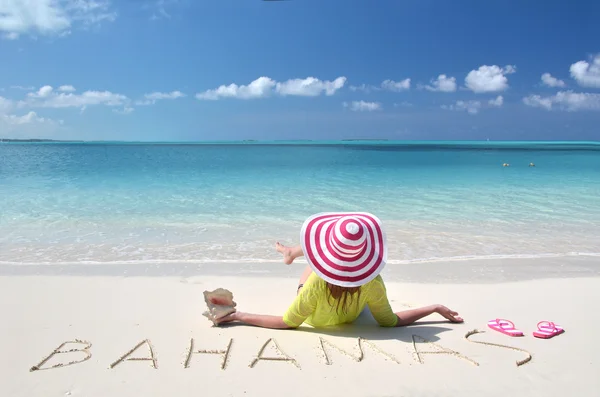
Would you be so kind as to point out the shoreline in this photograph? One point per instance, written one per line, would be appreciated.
(485, 271)
(461, 258)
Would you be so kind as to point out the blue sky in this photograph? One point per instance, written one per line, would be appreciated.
(162, 70)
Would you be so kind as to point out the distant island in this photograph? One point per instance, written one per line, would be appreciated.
(364, 139)
(34, 140)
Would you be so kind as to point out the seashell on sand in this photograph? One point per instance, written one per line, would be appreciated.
(219, 304)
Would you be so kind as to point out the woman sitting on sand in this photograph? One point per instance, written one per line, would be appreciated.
(345, 252)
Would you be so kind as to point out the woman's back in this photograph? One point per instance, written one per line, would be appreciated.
(316, 305)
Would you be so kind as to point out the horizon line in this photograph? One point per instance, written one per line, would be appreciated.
(318, 141)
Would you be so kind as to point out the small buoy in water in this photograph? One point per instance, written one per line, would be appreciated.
(506, 165)
(531, 165)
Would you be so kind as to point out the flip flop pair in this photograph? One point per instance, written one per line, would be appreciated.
(546, 329)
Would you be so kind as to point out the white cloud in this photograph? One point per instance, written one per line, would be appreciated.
(496, 102)
(389, 85)
(489, 78)
(259, 88)
(310, 86)
(587, 74)
(362, 106)
(264, 87)
(164, 95)
(538, 101)
(66, 97)
(29, 118)
(86, 99)
(551, 81)
(472, 107)
(43, 92)
(48, 98)
(5, 105)
(28, 125)
(150, 99)
(403, 104)
(443, 83)
(565, 100)
(396, 86)
(51, 17)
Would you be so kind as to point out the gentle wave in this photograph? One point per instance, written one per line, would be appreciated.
(260, 260)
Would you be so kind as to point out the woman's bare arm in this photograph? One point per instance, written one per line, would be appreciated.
(408, 317)
(258, 320)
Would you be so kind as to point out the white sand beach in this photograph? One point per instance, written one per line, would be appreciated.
(114, 310)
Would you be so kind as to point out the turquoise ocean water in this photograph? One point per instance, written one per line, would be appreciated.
(111, 202)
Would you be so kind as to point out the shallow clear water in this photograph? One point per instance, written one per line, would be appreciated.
(197, 202)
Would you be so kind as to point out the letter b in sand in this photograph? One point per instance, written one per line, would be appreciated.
(86, 350)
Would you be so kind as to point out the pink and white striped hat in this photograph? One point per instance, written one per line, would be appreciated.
(346, 249)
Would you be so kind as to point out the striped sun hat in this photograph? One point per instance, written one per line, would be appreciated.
(346, 249)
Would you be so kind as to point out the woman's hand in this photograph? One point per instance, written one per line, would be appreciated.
(449, 314)
(228, 318)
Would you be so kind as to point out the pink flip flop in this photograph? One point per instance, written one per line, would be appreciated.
(547, 330)
(504, 326)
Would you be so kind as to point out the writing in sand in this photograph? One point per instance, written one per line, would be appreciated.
(80, 351)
